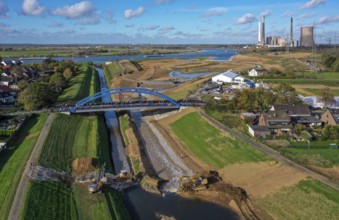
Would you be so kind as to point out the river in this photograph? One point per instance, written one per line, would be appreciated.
(147, 206)
(216, 54)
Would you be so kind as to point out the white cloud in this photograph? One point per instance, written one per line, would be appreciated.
(328, 19)
(246, 19)
(288, 14)
(160, 2)
(3, 10)
(149, 28)
(217, 11)
(89, 20)
(77, 10)
(306, 15)
(33, 8)
(313, 3)
(130, 13)
(166, 28)
(266, 13)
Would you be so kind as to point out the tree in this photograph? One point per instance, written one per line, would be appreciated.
(57, 82)
(68, 74)
(36, 95)
(285, 94)
(329, 60)
(22, 84)
(326, 97)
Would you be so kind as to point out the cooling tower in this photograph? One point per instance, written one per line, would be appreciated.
(262, 41)
(306, 37)
(291, 33)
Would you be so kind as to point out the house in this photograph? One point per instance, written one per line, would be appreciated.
(5, 80)
(296, 110)
(258, 131)
(4, 88)
(307, 121)
(331, 116)
(6, 97)
(248, 116)
(228, 77)
(277, 121)
(6, 63)
(257, 72)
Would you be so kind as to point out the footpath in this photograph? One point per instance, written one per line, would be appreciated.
(19, 198)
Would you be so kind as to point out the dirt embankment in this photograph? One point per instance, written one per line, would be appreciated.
(220, 192)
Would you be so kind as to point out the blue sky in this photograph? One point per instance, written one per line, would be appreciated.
(161, 21)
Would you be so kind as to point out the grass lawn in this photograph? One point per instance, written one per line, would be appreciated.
(211, 145)
(49, 200)
(318, 92)
(309, 199)
(72, 137)
(13, 160)
(85, 83)
(313, 157)
(327, 82)
(111, 71)
(124, 125)
(183, 91)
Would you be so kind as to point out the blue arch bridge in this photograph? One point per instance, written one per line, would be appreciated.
(87, 104)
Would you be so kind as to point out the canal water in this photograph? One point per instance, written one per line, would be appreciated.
(143, 205)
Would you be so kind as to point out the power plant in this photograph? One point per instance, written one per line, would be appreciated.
(306, 37)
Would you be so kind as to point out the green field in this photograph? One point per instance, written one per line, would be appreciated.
(328, 82)
(72, 137)
(211, 145)
(36, 53)
(85, 83)
(111, 71)
(13, 160)
(107, 205)
(49, 200)
(318, 92)
(309, 199)
(124, 125)
(313, 157)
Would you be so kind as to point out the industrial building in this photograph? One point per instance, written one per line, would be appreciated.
(228, 77)
(261, 32)
(276, 41)
(306, 37)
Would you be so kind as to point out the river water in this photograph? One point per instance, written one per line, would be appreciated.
(148, 206)
(216, 54)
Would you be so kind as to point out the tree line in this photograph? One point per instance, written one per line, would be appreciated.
(44, 91)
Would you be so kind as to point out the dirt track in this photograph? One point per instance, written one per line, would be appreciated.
(19, 198)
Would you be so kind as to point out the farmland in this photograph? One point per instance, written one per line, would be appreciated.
(309, 199)
(85, 83)
(49, 200)
(71, 138)
(222, 149)
(13, 160)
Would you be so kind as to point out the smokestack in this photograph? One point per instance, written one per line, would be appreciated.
(291, 33)
(259, 32)
(262, 41)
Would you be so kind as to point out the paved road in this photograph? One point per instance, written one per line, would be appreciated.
(269, 151)
(19, 198)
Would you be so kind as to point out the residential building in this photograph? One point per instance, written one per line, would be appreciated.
(277, 121)
(331, 117)
(6, 81)
(296, 110)
(258, 131)
(248, 116)
(257, 72)
(307, 121)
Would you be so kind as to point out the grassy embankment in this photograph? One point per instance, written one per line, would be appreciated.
(124, 125)
(13, 160)
(184, 90)
(111, 71)
(85, 83)
(38, 52)
(212, 146)
(309, 199)
(73, 137)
